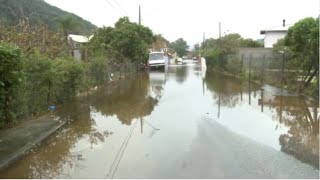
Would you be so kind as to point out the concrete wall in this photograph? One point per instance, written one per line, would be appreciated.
(258, 55)
(256, 52)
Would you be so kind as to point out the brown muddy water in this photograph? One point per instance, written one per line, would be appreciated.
(182, 122)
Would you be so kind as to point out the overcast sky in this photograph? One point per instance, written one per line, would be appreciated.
(190, 18)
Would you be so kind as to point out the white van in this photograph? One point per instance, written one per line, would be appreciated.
(156, 59)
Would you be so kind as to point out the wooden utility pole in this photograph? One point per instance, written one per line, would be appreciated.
(219, 29)
(139, 33)
(202, 47)
(139, 15)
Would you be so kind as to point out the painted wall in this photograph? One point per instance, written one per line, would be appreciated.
(271, 37)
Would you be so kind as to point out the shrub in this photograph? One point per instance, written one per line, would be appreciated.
(10, 78)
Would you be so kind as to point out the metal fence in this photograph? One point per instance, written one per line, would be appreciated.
(277, 70)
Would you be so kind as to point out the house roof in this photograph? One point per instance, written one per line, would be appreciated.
(276, 29)
(79, 38)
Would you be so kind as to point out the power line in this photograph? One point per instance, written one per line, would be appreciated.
(114, 172)
(120, 152)
(110, 3)
(113, 6)
(121, 7)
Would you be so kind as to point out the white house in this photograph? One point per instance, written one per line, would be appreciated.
(273, 35)
(76, 41)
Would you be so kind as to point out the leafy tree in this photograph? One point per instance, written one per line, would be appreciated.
(34, 38)
(68, 24)
(196, 50)
(10, 78)
(303, 42)
(216, 51)
(126, 42)
(180, 46)
(250, 43)
(159, 42)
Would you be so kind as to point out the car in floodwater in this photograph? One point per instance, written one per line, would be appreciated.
(156, 60)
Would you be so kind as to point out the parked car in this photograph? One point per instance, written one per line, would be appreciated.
(156, 60)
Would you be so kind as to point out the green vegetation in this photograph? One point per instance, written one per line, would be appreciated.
(10, 77)
(160, 42)
(302, 42)
(39, 12)
(30, 83)
(37, 69)
(37, 38)
(126, 42)
(217, 50)
(180, 46)
(68, 24)
(294, 63)
(301, 49)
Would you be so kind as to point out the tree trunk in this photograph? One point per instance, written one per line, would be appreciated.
(307, 83)
(49, 93)
(304, 78)
(6, 105)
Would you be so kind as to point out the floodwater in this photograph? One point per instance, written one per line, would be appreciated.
(180, 123)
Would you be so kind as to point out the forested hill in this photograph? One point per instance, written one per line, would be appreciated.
(38, 11)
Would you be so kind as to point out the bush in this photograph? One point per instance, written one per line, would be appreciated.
(69, 79)
(40, 78)
(10, 78)
(234, 65)
(98, 71)
(29, 84)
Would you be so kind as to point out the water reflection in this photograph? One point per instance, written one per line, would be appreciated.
(229, 91)
(296, 113)
(97, 124)
(301, 117)
(55, 156)
(62, 153)
(157, 81)
(178, 72)
(127, 99)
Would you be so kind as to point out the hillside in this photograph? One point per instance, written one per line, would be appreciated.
(38, 11)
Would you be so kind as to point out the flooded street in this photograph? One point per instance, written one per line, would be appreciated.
(181, 123)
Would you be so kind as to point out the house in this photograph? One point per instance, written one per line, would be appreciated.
(76, 42)
(272, 35)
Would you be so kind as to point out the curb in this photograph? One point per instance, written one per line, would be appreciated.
(19, 153)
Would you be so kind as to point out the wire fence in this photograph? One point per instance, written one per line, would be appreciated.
(117, 71)
(276, 69)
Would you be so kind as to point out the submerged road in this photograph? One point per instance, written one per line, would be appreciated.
(182, 122)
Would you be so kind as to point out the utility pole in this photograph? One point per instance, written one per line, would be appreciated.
(219, 29)
(202, 46)
(139, 15)
(139, 45)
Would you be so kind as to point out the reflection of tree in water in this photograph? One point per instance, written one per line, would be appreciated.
(157, 89)
(129, 99)
(228, 90)
(181, 74)
(54, 157)
(302, 139)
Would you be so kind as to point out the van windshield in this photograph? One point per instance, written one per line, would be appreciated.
(155, 56)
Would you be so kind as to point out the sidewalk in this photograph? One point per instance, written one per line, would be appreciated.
(14, 142)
